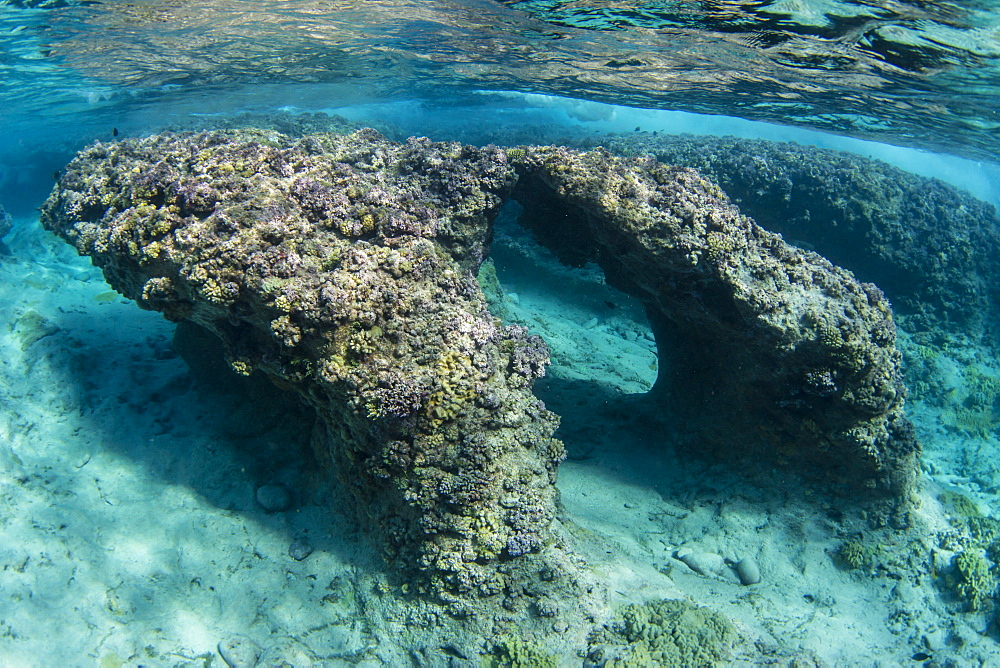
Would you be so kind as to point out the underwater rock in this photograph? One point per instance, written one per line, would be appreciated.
(31, 327)
(300, 549)
(344, 269)
(932, 247)
(6, 222)
(239, 652)
(702, 563)
(274, 498)
(287, 652)
(748, 571)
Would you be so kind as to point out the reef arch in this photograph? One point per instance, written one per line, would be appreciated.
(773, 350)
(343, 267)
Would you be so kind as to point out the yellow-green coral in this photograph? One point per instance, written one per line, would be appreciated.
(216, 292)
(488, 531)
(719, 245)
(364, 342)
(669, 633)
(456, 386)
(363, 223)
(242, 366)
(972, 579)
(515, 155)
(286, 331)
(283, 303)
(856, 553)
(512, 652)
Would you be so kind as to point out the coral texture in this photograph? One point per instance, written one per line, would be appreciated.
(344, 268)
(664, 633)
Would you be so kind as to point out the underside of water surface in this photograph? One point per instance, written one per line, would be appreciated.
(501, 382)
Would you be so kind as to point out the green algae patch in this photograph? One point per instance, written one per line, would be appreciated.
(32, 327)
(975, 406)
(106, 297)
(666, 633)
(959, 505)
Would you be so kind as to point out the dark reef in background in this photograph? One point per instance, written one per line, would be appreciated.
(344, 268)
(6, 223)
(932, 247)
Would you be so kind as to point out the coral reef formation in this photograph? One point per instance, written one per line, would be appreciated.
(972, 579)
(513, 652)
(344, 268)
(767, 345)
(929, 245)
(858, 553)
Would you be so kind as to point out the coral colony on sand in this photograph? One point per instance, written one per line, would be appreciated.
(343, 267)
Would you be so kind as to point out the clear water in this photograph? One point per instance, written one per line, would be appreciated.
(920, 72)
(132, 525)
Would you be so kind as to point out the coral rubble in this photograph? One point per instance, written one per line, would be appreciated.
(344, 268)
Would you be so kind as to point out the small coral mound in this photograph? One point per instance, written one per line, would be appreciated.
(664, 633)
(973, 579)
(856, 553)
(513, 652)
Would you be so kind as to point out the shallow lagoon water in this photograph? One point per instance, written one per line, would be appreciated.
(130, 480)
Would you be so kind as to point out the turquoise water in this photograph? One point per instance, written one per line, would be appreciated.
(157, 508)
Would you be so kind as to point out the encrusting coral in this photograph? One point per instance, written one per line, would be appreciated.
(664, 633)
(344, 268)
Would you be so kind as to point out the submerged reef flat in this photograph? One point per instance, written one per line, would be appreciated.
(343, 267)
(929, 245)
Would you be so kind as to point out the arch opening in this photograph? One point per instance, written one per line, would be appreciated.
(768, 355)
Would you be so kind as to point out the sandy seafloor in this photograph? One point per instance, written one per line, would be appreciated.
(130, 533)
